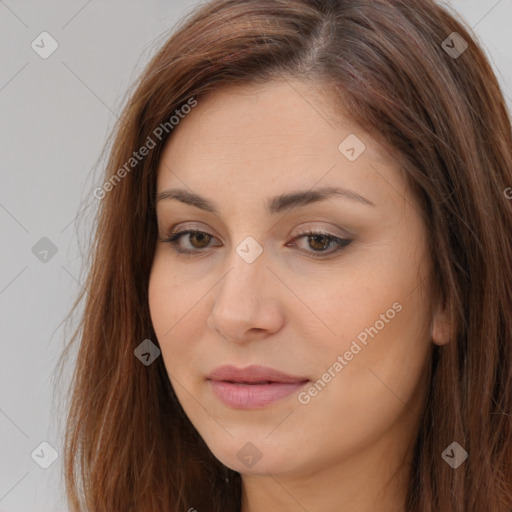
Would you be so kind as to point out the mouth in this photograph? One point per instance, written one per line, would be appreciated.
(252, 387)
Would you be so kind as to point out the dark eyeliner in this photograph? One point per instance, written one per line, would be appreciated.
(173, 240)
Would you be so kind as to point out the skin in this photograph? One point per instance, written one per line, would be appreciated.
(349, 447)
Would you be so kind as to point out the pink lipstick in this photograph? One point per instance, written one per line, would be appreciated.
(252, 387)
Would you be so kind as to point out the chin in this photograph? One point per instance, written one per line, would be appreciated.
(258, 457)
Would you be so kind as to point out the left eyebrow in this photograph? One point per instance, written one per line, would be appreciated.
(274, 205)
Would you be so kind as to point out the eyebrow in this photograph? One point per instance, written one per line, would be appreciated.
(273, 205)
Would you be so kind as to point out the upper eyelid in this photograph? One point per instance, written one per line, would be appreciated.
(304, 232)
(334, 231)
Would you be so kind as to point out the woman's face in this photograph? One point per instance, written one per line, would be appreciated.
(343, 312)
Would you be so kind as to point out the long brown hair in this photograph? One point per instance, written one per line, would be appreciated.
(129, 445)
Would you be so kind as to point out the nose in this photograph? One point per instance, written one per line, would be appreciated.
(246, 305)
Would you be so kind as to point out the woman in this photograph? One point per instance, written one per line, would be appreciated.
(300, 292)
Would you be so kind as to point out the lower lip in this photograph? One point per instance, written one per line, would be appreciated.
(253, 396)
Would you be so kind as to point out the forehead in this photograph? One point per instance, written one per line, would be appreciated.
(247, 116)
(257, 137)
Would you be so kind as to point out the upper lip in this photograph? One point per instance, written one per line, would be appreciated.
(252, 374)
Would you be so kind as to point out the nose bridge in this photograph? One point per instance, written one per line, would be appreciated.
(242, 302)
(239, 290)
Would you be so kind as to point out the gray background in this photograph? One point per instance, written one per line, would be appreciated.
(55, 115)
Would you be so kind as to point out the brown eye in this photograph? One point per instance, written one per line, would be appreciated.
(194, 240)
(203, 239)
(319, 242)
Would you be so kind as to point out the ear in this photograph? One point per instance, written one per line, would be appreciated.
(442, 327)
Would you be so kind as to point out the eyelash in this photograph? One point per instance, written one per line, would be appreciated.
(173, 240)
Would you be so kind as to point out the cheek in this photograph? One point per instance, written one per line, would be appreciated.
(382, 340)
(381, 323)
(379, 304)
(380, 380)
(172, 311)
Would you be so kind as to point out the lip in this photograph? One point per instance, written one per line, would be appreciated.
(252, 387)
